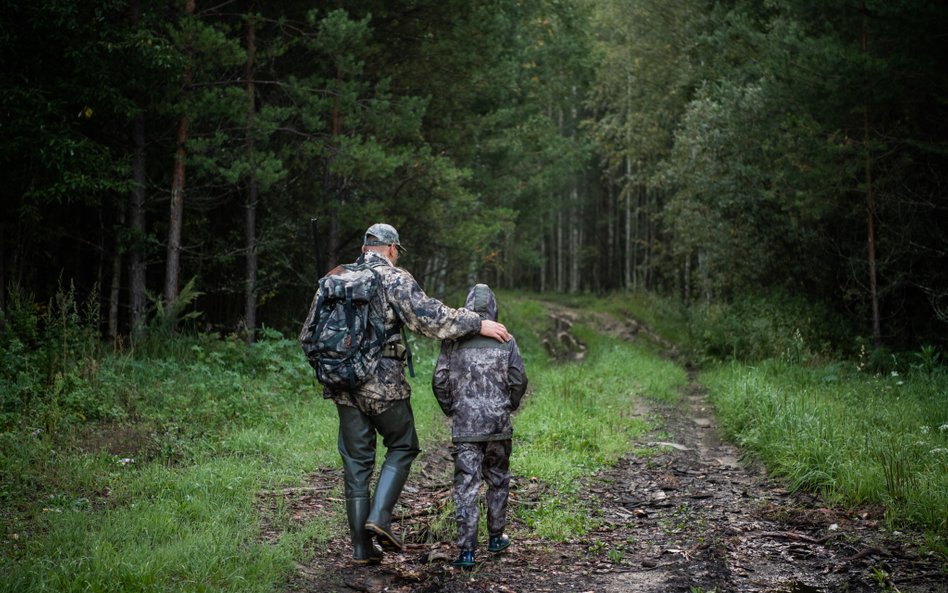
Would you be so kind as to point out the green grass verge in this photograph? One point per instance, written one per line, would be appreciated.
(179, 514)
(855, 438)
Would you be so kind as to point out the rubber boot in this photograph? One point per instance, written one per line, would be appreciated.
(379, 522)
(397, 428)
(363, 550)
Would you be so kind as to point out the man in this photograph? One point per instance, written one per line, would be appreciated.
(381, 405)
(478, 383)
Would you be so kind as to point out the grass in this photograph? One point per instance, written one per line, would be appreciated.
(665, 316)
(856, 438)
(140, 473)
(578, 418)
(180, 513)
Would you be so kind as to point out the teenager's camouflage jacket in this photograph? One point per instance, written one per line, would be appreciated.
(479, 381)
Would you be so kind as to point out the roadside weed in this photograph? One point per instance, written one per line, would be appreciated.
(858, 438)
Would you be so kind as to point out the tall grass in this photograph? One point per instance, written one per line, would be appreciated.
(854, 437)
(201, 434)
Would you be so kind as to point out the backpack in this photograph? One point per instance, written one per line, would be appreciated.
(344, 334)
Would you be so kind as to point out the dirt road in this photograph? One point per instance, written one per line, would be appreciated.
(692, 517)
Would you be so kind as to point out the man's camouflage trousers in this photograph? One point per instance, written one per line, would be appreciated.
(472, 461)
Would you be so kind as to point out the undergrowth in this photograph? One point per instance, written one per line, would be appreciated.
(853, 436)
(138, 468)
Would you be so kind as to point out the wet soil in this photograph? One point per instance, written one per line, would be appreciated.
(691, 514)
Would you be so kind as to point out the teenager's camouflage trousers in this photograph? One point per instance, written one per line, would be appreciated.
(472, 461)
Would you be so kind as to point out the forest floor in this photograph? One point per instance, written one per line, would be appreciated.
(694, 517)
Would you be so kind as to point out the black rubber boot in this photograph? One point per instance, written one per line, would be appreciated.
(397, 427)
(363, 550)
(379, 522)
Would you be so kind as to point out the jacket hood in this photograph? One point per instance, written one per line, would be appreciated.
(482, 301)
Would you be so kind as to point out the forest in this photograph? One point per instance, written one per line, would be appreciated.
(717, 228)
(164, 159)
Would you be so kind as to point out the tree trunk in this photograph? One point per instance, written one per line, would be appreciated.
(114, 289)
(647, 280)
(629, 242)
(136, 219)
(611, 215)
(630, 256)
(3, 278)
(544, 259)
(333, 239)
(173, 259)
(574, 244)
(250, 226)
(333, 190)
(871, 240)
(560, 263)
(870, 207)
(136, 215)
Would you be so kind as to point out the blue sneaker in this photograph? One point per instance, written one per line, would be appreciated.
(465, 560)
(498, 543)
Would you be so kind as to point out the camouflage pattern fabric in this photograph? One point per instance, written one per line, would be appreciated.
(490, 459)
(348, 327)
(405, 303)
(478, 381)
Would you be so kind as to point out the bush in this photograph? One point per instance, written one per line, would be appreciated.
(48, 356)
(774, 325)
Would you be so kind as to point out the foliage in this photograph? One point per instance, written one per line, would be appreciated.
(772, 325)
(50, 355)
(854, 437)
(698, 150)
(760, 136)
(163, 489)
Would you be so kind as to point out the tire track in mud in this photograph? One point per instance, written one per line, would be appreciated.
(689, 516)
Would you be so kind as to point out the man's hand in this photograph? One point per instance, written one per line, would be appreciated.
(492, 329)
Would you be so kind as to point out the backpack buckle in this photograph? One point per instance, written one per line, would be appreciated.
(394, 350)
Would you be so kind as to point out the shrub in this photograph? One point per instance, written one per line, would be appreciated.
(48, 355)
(758, 327)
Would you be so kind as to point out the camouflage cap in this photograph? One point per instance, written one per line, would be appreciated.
(384, 234)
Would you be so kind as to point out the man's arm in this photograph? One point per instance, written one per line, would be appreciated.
(429, 316)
